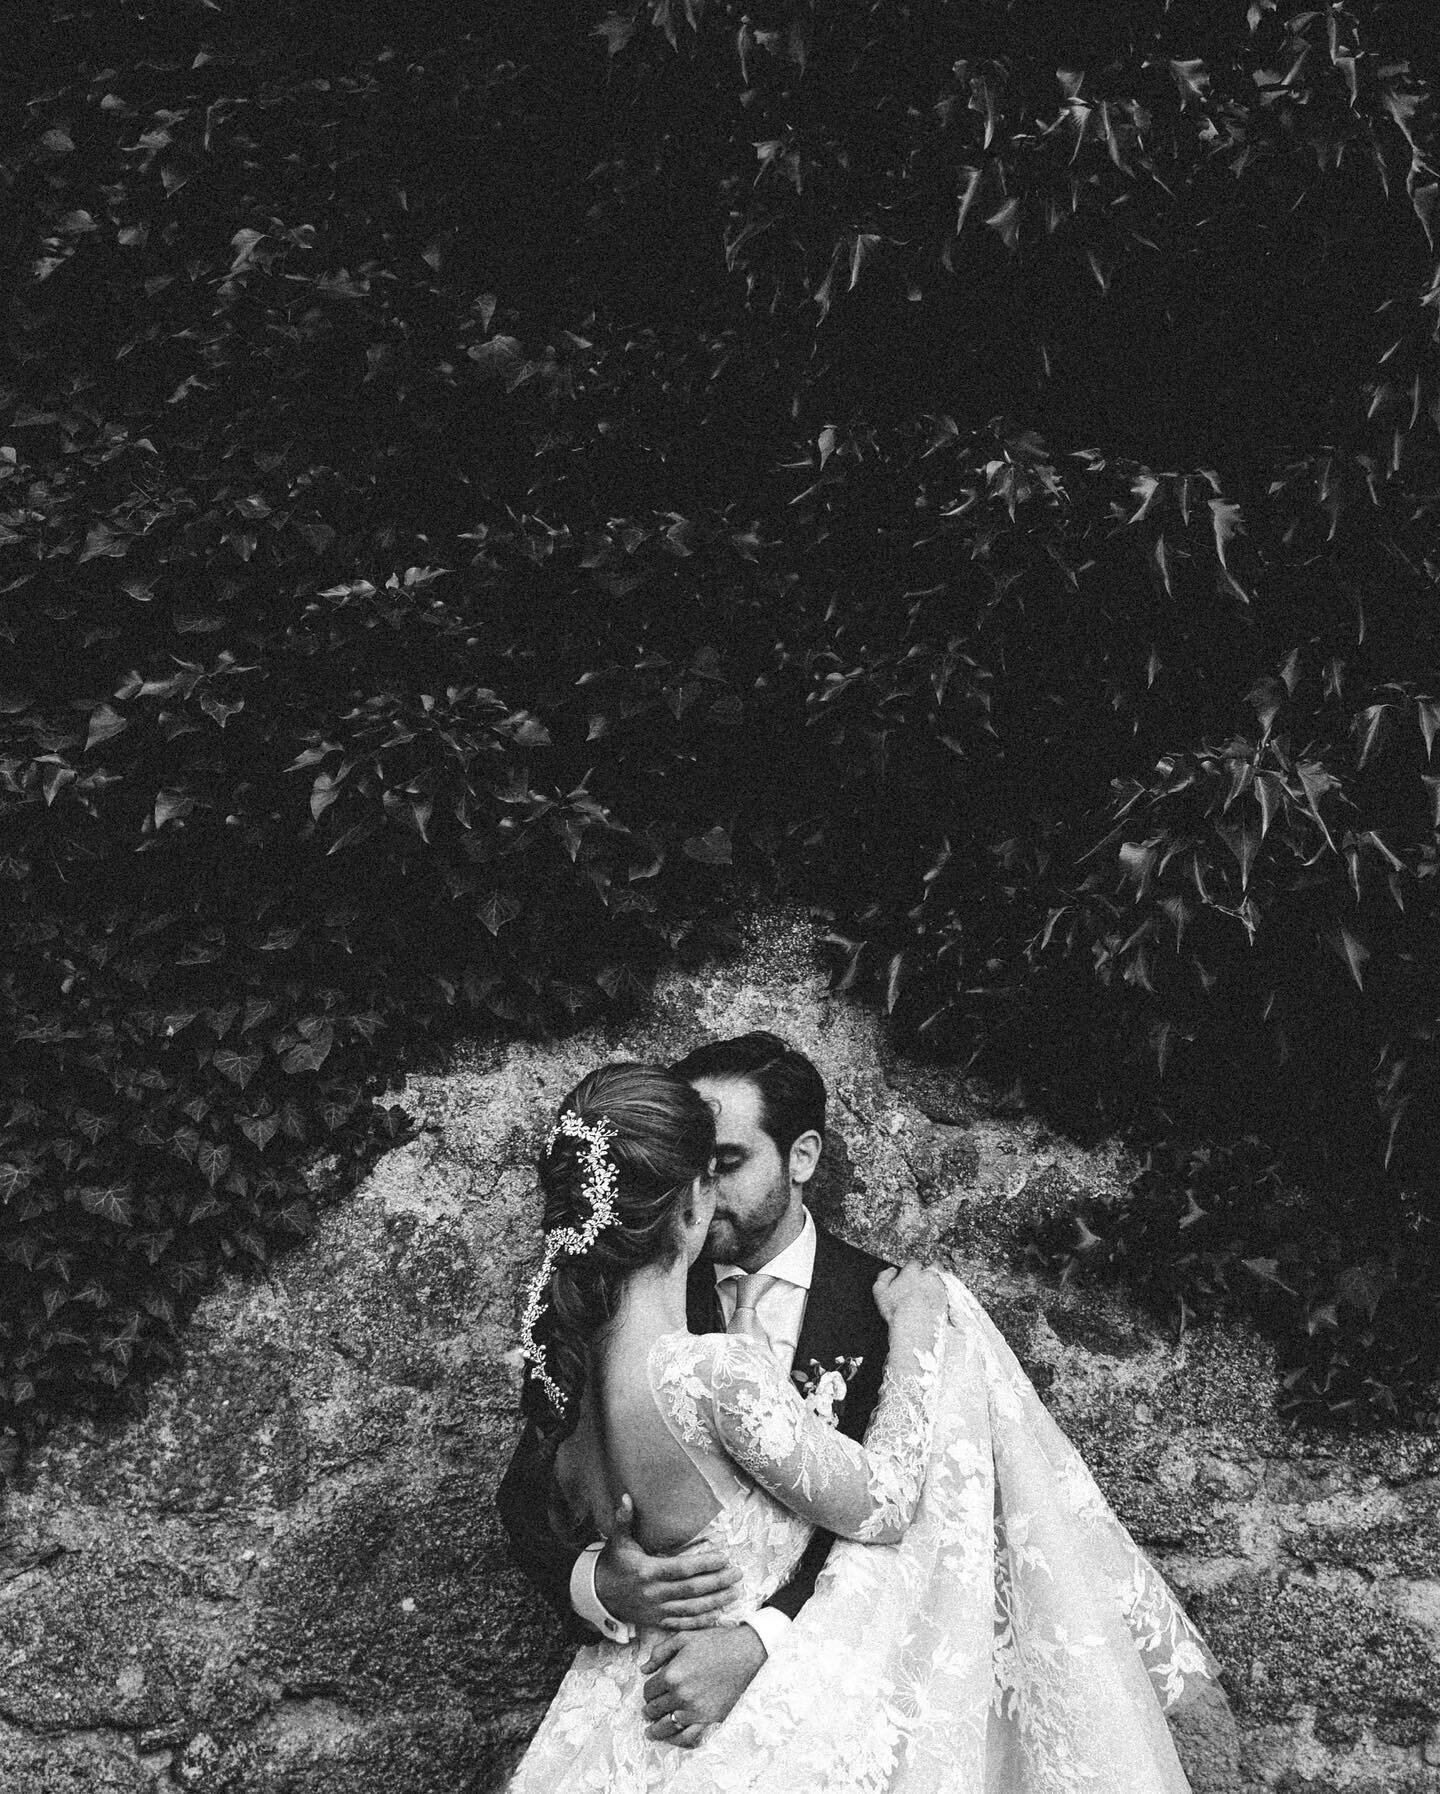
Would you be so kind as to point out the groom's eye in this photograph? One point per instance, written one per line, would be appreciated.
(728, 1161)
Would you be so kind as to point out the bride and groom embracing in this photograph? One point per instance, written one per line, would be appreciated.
(810, 1515)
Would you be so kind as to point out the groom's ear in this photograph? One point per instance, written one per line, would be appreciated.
(804, 1156)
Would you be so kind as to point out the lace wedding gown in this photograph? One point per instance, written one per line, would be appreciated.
(991, 1629)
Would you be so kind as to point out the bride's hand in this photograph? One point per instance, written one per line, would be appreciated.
(911, 1293)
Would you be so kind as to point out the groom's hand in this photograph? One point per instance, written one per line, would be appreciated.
(694, 1681)
(679, 1593)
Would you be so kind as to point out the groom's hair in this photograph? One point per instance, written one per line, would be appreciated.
(792, 1092)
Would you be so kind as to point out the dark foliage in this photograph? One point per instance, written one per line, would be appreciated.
(476, 485)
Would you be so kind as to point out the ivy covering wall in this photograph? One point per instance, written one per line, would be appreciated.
(482, 490)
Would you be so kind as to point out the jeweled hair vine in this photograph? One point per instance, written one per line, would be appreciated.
(599, 1187)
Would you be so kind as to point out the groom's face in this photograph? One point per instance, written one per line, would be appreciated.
(756, 1203)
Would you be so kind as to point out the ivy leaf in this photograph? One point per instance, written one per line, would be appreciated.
(1367, 726)
(257, 1010)
(892, 982)
(318, 535)
(201, 952)
(105, 722)
(617, 31)
(1352, 950)
(312, 756)
(499, 356)
(358, 831)
(864, 244)
(172, 804)
(1137, 861)
(1006, 222)
(310, 1055)
(498, 909)
(1191, 79)
(185, 1143)
(220, 1021)
(1269, 794)
(112, 1202)
(14, 1177)
(1315, 781)
(324, 792)
(218, 712)
(527, 731)
(292, 1121)
(1423, 198)
(335, 1109)
(710, 849)
(1268, 1271)
(279, 940)
(1428, 716)
(259, 1130)
(1227, 523)
(1244, 843)
(239, 1068)
(212, 1160)
(56, 777)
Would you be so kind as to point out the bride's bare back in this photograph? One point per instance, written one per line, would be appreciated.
(621, 1445)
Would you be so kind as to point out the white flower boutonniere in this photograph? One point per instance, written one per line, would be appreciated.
(825, 1390)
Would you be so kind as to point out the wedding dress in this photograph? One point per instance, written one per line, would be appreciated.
(985, 1626)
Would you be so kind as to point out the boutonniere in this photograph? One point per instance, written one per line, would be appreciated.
(825, 1390)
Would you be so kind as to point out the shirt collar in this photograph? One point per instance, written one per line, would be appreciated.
(796, 1264)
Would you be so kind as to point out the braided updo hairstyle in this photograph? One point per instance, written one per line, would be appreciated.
(662, 1137)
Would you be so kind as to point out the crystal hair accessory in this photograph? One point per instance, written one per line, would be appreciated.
(601, 1178)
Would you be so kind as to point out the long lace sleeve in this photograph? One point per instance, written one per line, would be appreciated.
(868, 1492)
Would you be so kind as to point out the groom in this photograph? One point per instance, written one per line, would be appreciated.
(818, 1314)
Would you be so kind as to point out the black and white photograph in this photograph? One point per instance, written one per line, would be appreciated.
(720, 897)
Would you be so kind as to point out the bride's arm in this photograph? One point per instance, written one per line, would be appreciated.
(868, 1491)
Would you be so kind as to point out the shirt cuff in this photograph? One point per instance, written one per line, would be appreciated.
(772, 1625)
(588, 1604)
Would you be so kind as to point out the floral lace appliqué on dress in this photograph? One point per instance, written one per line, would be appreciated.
(1001, 1633)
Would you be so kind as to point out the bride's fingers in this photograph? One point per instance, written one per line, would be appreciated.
(659, 1656)
(663, 1701)
(665, 1733)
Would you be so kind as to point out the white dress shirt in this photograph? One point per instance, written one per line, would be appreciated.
(781, 1312)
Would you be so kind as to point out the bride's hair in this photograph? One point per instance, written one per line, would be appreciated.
(661, 1135)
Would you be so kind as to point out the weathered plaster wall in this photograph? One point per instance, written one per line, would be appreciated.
(287, 1578)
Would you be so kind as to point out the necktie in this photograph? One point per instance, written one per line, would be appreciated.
(748, 1291)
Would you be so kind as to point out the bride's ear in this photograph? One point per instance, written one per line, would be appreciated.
(697, 1206)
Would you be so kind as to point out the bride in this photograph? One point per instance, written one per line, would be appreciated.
(991, 1627)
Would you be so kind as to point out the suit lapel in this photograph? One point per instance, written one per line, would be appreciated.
(823, 1314)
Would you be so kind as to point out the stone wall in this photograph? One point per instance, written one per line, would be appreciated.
(287, 1578)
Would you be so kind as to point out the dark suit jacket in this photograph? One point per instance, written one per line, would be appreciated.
(841, 1321)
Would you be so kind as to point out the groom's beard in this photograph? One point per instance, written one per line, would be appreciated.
(736, 1240)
